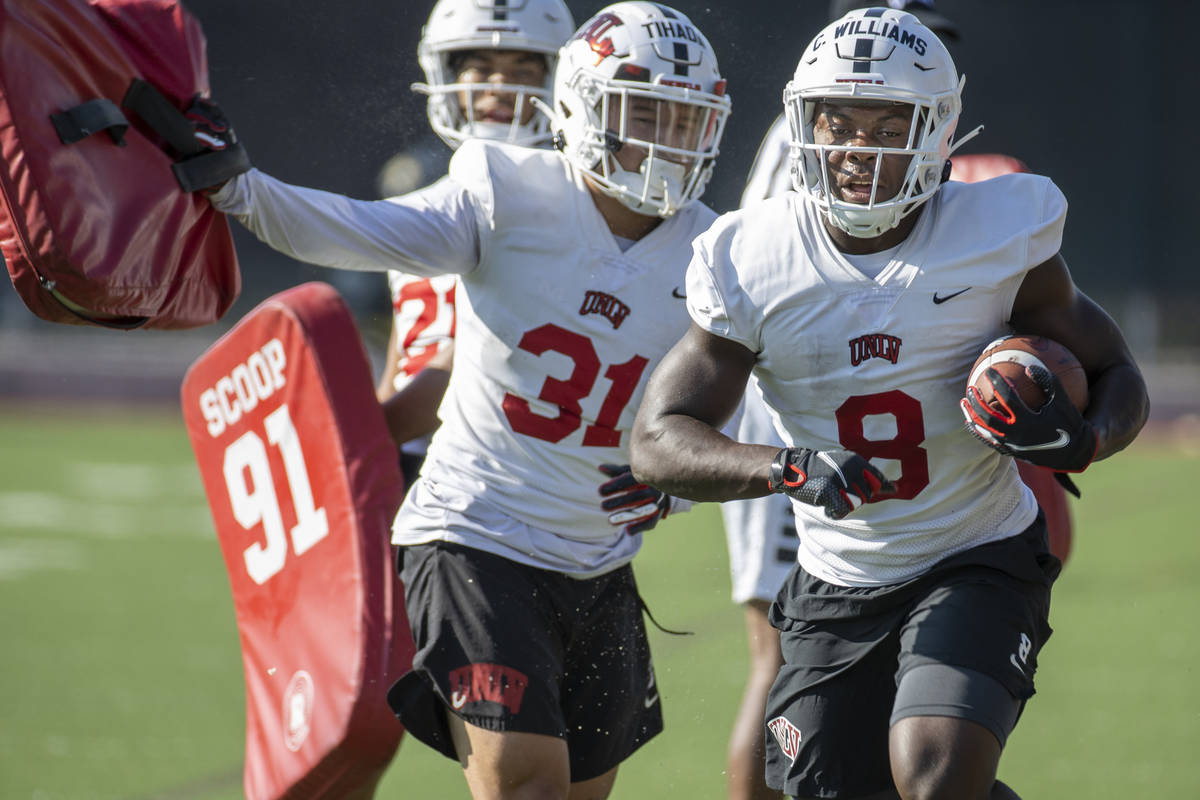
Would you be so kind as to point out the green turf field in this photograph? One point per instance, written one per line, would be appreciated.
(120, 674)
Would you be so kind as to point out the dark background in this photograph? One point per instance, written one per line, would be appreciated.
(1101, 96)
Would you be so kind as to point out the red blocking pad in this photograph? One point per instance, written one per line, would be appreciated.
(303, 482)
(94, 227)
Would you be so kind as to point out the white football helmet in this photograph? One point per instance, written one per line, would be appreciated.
(536, 26)
(875, 54)
(639, 75)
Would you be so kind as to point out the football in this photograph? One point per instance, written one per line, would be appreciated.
(1010, 355)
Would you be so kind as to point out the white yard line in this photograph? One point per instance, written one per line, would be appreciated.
(21, 557)
(113, 517)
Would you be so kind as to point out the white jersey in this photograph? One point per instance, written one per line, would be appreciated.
(558, 332)
(878, 366)
(423, 321)
(423, 318)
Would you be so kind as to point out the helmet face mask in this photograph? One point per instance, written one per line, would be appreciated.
(462, 29)
(873, 58)
(639, 106)
(655, 151)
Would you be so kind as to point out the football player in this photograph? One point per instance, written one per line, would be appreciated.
(912, 624)
(533, 668)
(483, 60)
(761, 533)
(770, 176)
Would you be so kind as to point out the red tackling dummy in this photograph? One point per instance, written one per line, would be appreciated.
(1049, 494)
(303, 482)
(95, 225)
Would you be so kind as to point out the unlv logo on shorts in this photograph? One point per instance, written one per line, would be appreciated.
(602, 47)
(788, 736)
(493, 683)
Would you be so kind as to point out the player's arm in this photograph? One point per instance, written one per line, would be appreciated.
(431, 231)
(1050, 304)
(391, 367)
(676, 445)
(411, 412)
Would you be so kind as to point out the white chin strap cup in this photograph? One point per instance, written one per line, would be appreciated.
(656, 188)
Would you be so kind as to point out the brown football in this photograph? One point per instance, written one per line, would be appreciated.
(1011, 354)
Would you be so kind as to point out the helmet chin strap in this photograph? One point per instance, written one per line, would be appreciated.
(498, 131)
(655, 188)
(864, 224)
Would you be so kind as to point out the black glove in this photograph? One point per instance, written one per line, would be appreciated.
(837, 480)
(1055, 435)
(199, 140)
(209, 125)
(1068, 485)
(221, 156)
(635, 505)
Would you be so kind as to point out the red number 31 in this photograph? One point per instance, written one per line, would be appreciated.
(567, 394)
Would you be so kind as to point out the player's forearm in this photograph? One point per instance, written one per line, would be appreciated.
(686, 458)
(1118, 408)
(332, 230)
(412, 412)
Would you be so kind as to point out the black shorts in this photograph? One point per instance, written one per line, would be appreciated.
(508, 647)
(846, 649)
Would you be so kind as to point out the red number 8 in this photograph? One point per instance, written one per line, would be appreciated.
(903, 447)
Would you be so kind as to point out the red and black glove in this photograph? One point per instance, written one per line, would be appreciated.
(199, 140)
(837, 480)
(221, 156)
(632, 504)
(209, 125)
(1054, 436)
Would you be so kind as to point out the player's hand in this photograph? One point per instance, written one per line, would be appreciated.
(634, 505)
(1055, 435)
(837, 480)
(215, 139)
(209, 125)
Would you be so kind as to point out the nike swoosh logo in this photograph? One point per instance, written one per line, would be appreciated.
(677, 294)
(1063, 439)
(937, 300)
(923, 69)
